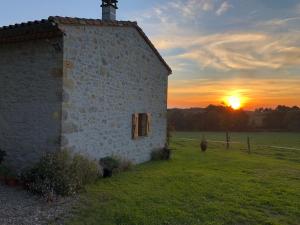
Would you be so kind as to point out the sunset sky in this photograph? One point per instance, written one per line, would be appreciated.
(216, 48)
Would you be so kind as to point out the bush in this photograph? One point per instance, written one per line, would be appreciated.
(87, 171)
(161, 154)
(109, 164)
(60, 173)
(2, 156)
(124, 165)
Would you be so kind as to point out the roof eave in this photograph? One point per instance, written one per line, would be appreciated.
(153, 48)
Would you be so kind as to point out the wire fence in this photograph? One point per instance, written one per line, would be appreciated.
(242, 144)
(251, 146)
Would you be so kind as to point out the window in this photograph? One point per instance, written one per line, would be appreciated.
(143, 125)
(140, 125)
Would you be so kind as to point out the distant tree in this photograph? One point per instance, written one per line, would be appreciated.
(176, 119)
(213, 118)
(240, 121)
(223, 118)
(282, 118)
(292, 120)
(259, 110)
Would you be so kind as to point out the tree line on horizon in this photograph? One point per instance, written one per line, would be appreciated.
(223, 118)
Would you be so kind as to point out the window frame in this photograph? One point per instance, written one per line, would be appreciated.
(141, 125)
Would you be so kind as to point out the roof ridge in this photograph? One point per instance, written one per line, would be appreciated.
(69, 20)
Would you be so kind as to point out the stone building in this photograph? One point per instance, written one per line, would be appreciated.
(98, 87)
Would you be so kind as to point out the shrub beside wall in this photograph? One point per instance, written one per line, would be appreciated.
(161, 154)
(61, 173)
(114, 164)
(125, 165)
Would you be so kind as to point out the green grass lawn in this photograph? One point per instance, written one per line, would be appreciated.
(217, 187)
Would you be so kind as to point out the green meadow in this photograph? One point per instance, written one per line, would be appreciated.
(216, 187)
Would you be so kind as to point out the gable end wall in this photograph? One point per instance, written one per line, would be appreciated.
(109, 74)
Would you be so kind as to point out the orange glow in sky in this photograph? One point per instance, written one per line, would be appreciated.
(234, 102)
(254, 60)
(248, 94)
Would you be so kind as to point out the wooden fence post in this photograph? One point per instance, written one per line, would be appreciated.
(227, 140)
(248, 143)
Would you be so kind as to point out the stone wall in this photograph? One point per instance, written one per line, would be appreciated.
(30, 100)
(109, 74)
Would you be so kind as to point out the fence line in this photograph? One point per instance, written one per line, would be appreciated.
(279, 147)
(236, 142)
(224, 142)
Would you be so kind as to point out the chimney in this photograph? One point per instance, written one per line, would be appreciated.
(109, 8)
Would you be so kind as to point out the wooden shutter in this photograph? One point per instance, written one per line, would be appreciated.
(135, 126)
(148, 124)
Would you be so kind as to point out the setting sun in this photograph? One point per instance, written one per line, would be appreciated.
(234, 102)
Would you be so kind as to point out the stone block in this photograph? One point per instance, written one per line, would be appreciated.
(68, 64)
(69, 127)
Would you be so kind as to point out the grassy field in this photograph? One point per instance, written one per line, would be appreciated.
(217, 187)
(276, 145)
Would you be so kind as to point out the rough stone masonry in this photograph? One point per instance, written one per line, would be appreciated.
(75, 84)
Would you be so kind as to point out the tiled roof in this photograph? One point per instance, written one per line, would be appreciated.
(22, 25)
(49, 28)
(83, 21)
(28, 31)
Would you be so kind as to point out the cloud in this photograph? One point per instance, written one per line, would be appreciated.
(297, 9)
(279, 22)
(237, 51)
(182, 9)
(211, 56)
(187, 46)
(207, 5)
(223, 8)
